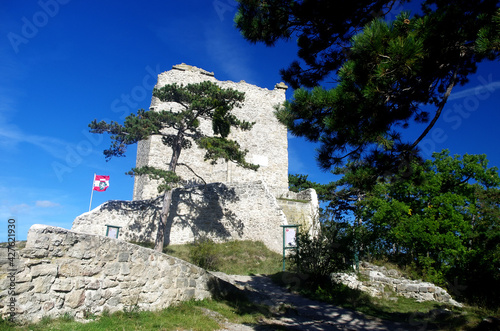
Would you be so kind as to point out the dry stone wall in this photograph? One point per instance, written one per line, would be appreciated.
(60, 271)
(266, 142)
(242, 211)
(380, 280)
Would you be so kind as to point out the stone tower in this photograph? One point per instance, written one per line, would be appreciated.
(266, 142)
(236, 203)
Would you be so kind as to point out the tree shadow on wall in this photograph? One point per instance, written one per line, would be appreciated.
(146, 215)
(203, 209)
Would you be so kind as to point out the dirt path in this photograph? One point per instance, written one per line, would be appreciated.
(295, 312)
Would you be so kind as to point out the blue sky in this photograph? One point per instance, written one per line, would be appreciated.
(67, 62)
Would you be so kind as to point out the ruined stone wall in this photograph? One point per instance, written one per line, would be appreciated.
(383, 282)
(266, 141)
(301, 208)
(60, 271)
(242, 211)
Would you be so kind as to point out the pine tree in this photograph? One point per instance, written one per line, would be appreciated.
(179, 129)
(388, 74)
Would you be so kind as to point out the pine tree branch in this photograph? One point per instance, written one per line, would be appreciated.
(194, 173)
(439, 110)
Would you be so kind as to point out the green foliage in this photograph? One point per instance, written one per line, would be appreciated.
(331, 251)
(180, 127)
(323, 31)
(203, 253)
(437, 219)
(387, 73)
(488, 42)
(167, 178)
(297, 182)
(419, 315)
(6, 324)
(442, 220)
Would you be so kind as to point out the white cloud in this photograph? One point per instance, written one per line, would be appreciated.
(20, 209)
(11, 135)
(46, 204)
(481, 91)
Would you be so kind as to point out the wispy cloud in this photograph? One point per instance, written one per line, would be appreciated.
(22, 208)
(46, 204)
(29, 204)
(222, 47)
(477, 91)
(11, 135)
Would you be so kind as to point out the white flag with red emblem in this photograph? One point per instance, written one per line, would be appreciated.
(101, 183)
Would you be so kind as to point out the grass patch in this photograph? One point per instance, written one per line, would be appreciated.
(235, 257)
(190, 315)
(243, 257)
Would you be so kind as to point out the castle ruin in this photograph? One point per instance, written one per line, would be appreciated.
(234, 203)
(266, 142)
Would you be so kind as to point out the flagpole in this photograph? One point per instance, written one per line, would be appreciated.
(92, 193)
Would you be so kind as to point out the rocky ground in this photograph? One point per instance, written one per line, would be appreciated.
(293, 312)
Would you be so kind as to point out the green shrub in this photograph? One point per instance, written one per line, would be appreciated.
(331, 251)
(203, 253)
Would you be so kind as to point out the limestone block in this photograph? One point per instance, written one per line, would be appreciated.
(63, 285)
(23, 276)
(123, 256)
(22, 288)
(47, 306)
(73, 269)
(112, 269)
(426, 297)
(424, 289)
(75, 299)
(114, 301)
(149, 297)
(94, 285)
(129, 300)
(124, 269)
(34, 253)
(106, 283)
(188, 294)
(44, 269)
(42, 284)
(411, 288)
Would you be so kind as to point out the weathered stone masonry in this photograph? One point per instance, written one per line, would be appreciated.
(60, 271)
(383, 282)
(243, 211)
(266, 142)
(237, 204)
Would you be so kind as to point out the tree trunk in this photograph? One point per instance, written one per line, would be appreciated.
(167, 197)
(160, 234)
